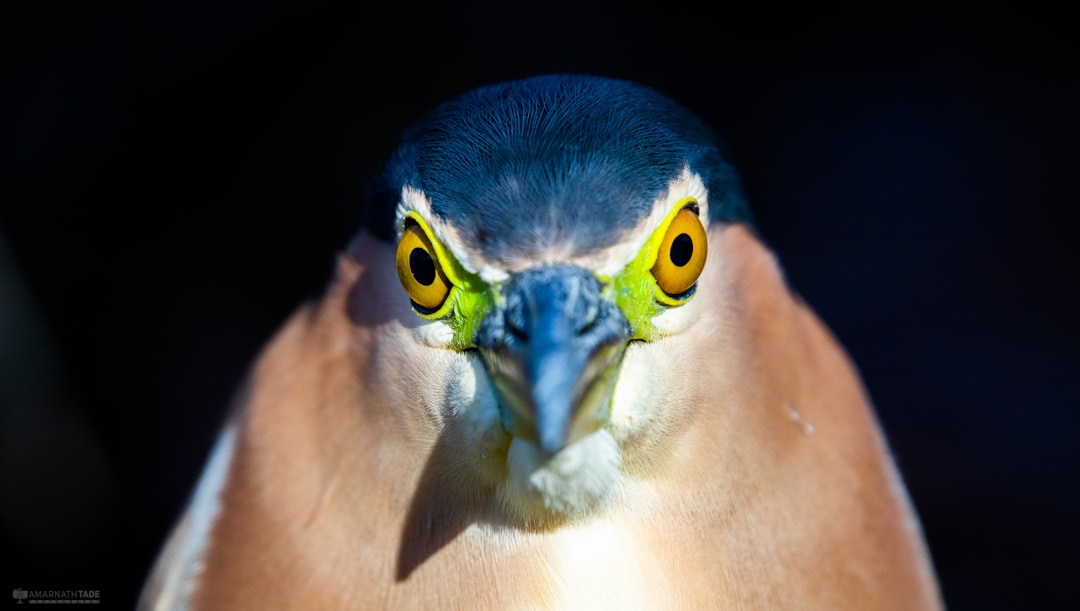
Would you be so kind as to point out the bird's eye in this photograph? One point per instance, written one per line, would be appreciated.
(419, 271)
(682, 255)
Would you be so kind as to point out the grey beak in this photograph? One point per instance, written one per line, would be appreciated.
(552, 353)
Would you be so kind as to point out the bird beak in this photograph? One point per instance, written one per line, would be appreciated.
(553, 352)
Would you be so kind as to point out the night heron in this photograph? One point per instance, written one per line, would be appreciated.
(555, 369)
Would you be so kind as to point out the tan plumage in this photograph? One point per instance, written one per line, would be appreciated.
(766, 485)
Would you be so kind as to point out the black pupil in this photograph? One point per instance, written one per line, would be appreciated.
(682, 248)
(422, 266)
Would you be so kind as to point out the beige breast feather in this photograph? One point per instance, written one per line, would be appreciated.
(771, 486)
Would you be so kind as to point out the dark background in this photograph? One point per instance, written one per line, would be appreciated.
(179, 179)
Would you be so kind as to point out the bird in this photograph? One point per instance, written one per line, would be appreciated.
(556, 367)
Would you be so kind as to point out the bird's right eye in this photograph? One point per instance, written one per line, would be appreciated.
(419, 271)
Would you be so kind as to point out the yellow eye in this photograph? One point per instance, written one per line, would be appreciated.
(682, 255)
(419, 271)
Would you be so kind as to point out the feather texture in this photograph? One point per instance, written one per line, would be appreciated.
(725, 500)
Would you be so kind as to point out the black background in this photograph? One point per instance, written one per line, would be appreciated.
(180, 178)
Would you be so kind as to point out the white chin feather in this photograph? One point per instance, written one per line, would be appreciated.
(577, 480)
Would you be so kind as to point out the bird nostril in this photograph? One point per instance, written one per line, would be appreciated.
(517, 332)
(563, 301)
(588, 321)
(514, 322)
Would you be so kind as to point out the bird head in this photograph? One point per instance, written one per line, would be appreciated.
(550, 236)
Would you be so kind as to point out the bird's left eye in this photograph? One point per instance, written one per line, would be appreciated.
(419, 271)
(682, 255)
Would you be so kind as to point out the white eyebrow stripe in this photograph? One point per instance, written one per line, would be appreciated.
(413, 199)
(610, 261)
(606, 262)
